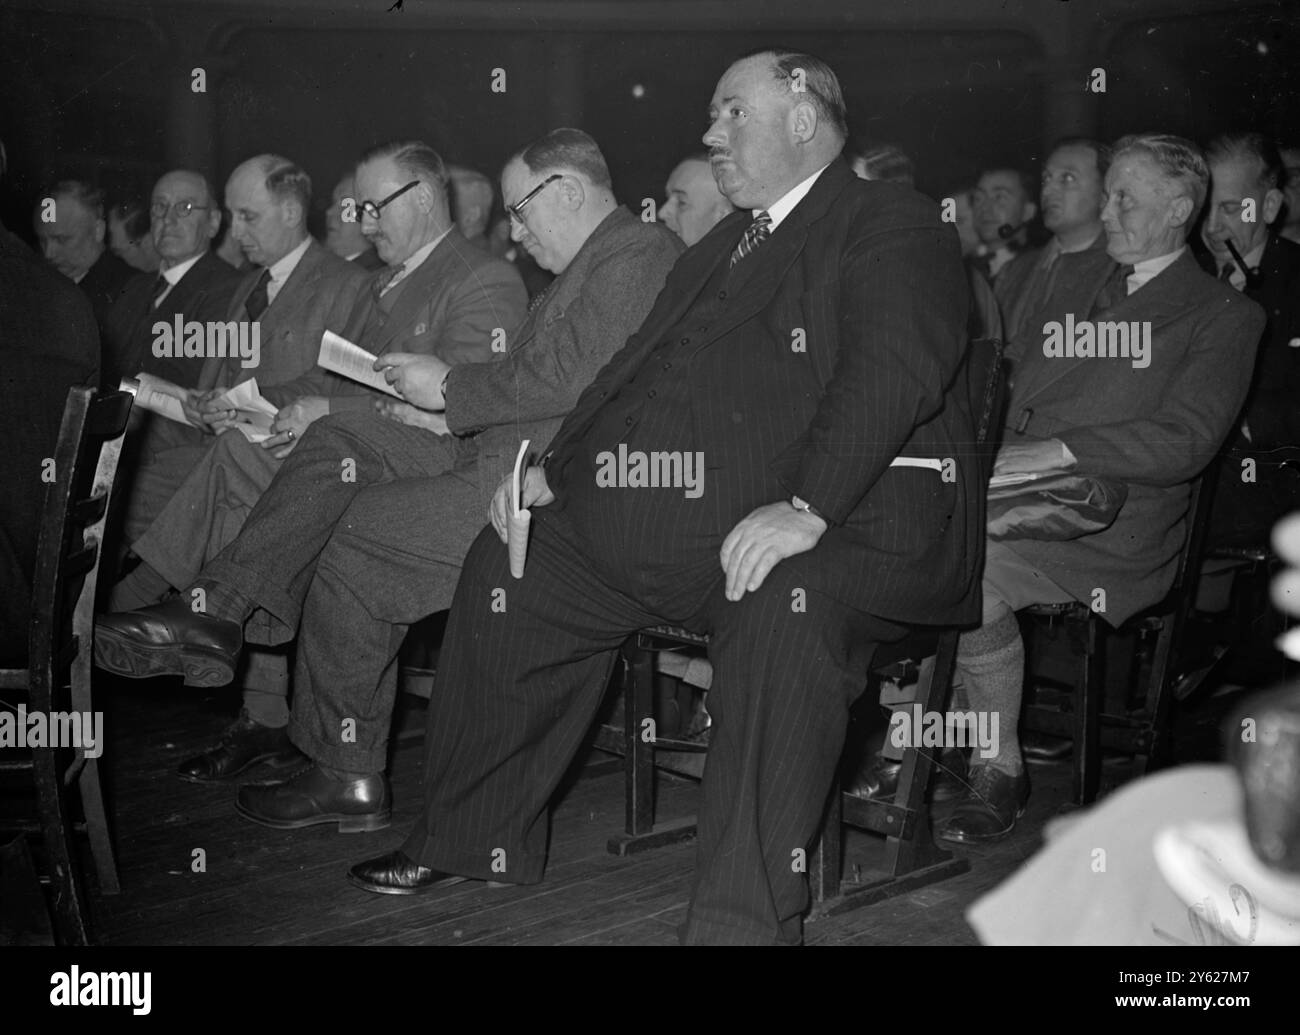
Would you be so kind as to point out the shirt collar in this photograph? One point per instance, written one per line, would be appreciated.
(785, 204)
(173, 274)
(281, 270)
(413, 263)
(1147, 269)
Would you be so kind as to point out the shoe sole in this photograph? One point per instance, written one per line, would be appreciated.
(200, 668)
(362, 823)
(270, 761)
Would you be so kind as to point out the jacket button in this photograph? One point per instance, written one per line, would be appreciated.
(628, 421)
(668, 366)
(685, 341)
(722, 294)
(652, 393)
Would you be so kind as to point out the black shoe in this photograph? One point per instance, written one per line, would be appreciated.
(311, 798)
(398, 874)
(243, 744)
(991, 808)
(169, 639)
(878, 778)
(1041, 747)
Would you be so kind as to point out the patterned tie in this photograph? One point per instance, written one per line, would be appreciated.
(1114, 291)
(389, 279)
(755, 234)
(257, 301)
(536, 302)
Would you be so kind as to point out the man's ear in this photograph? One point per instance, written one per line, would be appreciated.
(572, 192)
(292, 213)
(1272, 205)
(101, 228)
(1180, 211)
(803, 121)
(1028, 212)
(214, 223)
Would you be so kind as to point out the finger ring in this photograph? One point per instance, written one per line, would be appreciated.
(290, 433)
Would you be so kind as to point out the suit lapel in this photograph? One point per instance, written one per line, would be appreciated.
(1164, 298)
(413, 293)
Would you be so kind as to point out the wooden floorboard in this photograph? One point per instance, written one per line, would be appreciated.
(271, 887)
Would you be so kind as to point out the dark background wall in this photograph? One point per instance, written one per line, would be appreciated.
(106, 87)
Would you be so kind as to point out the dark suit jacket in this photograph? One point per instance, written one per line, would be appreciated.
(104, 282)
(875, 280)
(203, 294)
(1272, 411)
(48, 344)
(1155, 429)
(594, 306)
(448, 307)
(319, 295)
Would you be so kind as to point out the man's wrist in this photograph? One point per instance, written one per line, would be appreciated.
(807, 508)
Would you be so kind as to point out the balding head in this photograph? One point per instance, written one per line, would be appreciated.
(694, 205)
(268, 197)
(184, 216)
(71, 232)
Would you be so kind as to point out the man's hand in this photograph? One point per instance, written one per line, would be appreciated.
(766, 536)
(1031, 457)
(533, 493)
(418, 379)
(215, 416)
(405, 413)
(292, 421)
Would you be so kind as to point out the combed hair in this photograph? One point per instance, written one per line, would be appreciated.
(286, 179)
(1271, 170)
(819, 80)
(134, 217)
(416, 159)
(886, 162)
(1176, 157)
(1100, 149)
(83, 190)
(570, 149)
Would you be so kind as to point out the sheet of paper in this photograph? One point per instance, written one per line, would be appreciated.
(249, 406)
(353, 362)
(516, 484)
(160, 397)
(999, 481)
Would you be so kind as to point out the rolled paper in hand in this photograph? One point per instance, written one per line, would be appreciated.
(517, 523)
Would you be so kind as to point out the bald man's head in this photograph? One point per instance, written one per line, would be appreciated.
(694, 205)
(268, 198)
(184, 216)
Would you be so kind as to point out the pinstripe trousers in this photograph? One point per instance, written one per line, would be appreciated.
(521, 674)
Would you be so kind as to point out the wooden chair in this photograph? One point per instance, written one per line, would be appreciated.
(912, 859)
(61, 649)
(1079, 714)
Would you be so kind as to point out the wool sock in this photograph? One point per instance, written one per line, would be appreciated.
(140, 588)
(992, 664)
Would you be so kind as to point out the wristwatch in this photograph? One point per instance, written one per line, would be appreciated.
(800, 504)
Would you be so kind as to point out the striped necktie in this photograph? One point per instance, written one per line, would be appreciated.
(755, 234)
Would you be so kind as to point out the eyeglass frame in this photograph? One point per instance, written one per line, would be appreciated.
(374, 208)
(517, 207)
(170, 210)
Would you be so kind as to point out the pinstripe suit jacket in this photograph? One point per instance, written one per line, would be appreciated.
(853, 316)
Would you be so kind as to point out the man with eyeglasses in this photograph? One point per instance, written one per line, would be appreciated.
(190, 282)
(363, 530)
(1245, 249)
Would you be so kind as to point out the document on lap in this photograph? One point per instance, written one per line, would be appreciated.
(340, 356)
(253, 414)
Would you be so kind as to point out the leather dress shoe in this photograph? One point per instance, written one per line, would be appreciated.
(243, 744)
(169, 639)
(398, 874)
(879, 778)
(990, 809)
(311, 798)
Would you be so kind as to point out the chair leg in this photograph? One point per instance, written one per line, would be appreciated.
(71, 926)
(101, 844)
(1087, 715)
(825, 869)
(1158, 697)
(638, 724)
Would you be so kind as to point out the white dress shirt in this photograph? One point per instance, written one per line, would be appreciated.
(413, 263)
(1148, 268)
(281, 271)
(173, 276)
(783, 206)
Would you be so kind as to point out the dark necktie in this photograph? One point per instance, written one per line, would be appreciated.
(1225, 271)
(257, 300)
(755, 234)
(159, 289)
(1114, 291)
